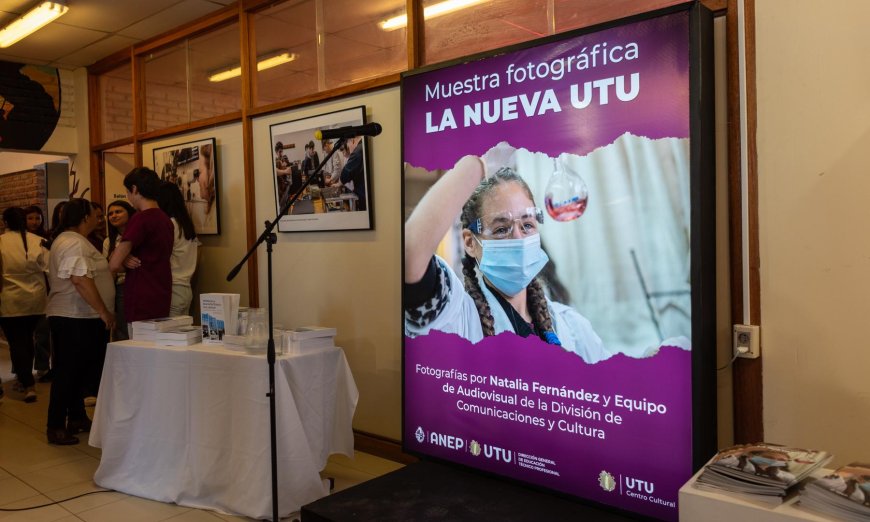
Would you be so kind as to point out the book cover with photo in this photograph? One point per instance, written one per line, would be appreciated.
(218, 316)
(844, 494)
(762, 472)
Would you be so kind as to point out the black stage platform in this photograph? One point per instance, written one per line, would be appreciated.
(428, 491)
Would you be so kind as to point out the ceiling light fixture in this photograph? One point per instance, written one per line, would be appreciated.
(432, 11)
(263, 63)
(31, 22)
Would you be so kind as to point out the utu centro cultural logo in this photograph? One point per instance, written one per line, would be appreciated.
(606, 481)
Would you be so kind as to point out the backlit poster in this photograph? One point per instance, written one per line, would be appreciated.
(557, 305)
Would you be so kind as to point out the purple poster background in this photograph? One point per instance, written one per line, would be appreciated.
(629, 418)
(634, 79)
(660, 108)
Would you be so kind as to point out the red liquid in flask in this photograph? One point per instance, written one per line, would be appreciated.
(567, 210)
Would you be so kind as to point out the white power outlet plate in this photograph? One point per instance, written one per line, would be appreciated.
(746, 336)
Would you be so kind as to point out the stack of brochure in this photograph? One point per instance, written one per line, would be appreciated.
(147, 330)
(842, 495)
(182, 336)
(305, 338)
(763, 472)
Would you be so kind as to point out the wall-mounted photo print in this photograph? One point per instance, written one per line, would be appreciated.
(193, 168)
(339, 197)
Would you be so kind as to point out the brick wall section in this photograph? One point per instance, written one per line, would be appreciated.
(22, 189)
(117, 108)
(166, 106)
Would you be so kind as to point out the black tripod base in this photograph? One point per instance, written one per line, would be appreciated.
(428, 491)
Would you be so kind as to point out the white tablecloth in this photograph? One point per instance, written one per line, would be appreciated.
(190, 425)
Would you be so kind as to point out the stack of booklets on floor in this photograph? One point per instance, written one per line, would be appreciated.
(181, 336)
(304, 338)
(147, 330)
(842, 495)
(763, 472)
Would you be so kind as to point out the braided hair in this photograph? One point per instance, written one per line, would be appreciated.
(535, 296)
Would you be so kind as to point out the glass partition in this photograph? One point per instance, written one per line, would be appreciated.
(116, 101)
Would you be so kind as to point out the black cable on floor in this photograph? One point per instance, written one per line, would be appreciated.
(58, 501)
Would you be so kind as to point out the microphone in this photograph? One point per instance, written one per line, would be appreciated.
(369, 129)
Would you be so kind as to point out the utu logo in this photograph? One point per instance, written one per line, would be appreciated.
(494, 452)
(641, 486)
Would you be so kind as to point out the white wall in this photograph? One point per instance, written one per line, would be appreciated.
(814, 185)
(349, 280)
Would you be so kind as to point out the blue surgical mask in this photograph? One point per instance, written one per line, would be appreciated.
(764, 461)
(511, 264)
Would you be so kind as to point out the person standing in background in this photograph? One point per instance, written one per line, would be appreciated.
(354, 170)
(80, 314)
(42, 336)
(145, 250)
(99, 234)
(23, 261)
(184, 248)
(119, 213)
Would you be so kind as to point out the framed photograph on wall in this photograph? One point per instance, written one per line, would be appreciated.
(192, 166)
(340, 197)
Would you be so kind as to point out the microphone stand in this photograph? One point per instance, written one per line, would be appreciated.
(270, 238)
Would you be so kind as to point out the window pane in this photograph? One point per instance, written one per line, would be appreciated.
(356, 48)
(571, 14)
(483, 26)
(116, 102)
(213, 53)
(288, 27)
(166, 99)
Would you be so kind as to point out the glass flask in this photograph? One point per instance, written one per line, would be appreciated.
(566, 195)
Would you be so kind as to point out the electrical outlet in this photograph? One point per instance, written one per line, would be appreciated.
(746, 339)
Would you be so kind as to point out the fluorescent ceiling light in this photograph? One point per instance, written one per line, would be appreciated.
(266, 62)
(32, 21)
(432, 11)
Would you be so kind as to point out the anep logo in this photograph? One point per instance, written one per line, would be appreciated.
(447, 441)
(420, 434)
(640, 486)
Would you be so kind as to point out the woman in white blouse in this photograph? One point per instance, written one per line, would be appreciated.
(22, 294)
(184, 247)
(80, 314)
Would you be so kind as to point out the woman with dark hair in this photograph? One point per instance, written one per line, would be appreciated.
(99, 234)
(23, 261)
(36, 221)
(184, 247)
(80, 314)
(55, 217)
(501, 291)
(42, 336)
(119, 213)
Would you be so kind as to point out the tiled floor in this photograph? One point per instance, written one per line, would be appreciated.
(32, 472)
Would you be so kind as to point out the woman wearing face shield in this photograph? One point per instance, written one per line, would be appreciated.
(502, 257)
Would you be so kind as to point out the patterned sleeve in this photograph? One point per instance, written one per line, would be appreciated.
(425, 300)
